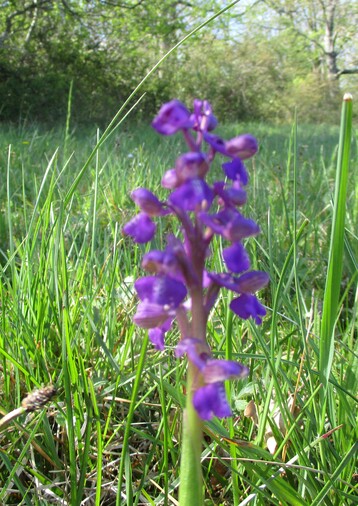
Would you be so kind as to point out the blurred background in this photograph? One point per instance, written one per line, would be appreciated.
(258, 61)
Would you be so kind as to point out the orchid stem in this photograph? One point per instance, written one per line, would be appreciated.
(191, 481)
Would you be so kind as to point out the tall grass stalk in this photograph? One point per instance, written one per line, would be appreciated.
(124, 454)
(68, 120)
(332, 290)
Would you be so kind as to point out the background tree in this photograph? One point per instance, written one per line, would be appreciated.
(327, 26)
(258, 61)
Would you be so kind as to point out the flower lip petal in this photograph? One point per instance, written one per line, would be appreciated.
(236, 170)
(231, 196)
(236, 258)
(235, 196)
(157, 334)
(163, 290)
(156, 337)
(241, 227)
(247, 306)
(172, 117)
(210, 400)
(140, 228)
(191, 195)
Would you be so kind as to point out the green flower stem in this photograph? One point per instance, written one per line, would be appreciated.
(191, 481)
(199, 318)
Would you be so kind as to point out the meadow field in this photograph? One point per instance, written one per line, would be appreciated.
(111, 435)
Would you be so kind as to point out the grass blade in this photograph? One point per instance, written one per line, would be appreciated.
(334, 274)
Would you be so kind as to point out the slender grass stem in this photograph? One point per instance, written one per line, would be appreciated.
(334, 274)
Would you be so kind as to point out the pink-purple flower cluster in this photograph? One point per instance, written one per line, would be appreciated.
(178, 282)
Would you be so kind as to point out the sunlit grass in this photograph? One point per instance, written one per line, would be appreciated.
(112, 435)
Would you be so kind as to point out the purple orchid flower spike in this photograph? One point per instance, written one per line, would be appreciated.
(180, 290)
(179, 287)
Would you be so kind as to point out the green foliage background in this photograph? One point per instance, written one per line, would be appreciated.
(255, 62)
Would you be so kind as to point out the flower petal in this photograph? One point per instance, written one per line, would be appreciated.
(156, 337)
(163, 290)
(243, 146)
(224, 279)
(170, 179)
(147, 202)
(220, 370)
(210, 400)
(230, 196)
(247, 306)
(236, 258)
(140, 228)
(216, 142)
(235, 170)
(191, 165)
(203, 116)
(191, 195)
(230, 224)
(162, 262)
(172, 116)
(150, 315)
(252, 281)
(157, 334)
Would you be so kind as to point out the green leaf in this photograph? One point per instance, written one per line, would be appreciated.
(334, 274)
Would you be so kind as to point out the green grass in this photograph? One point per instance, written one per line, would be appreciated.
(112, 435)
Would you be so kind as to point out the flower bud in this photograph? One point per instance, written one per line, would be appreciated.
(172, 116)
(243, 146)
(147, 202)
(191, 165)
